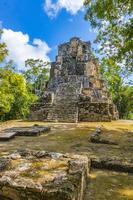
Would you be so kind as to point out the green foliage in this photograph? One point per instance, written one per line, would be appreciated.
(114, 22)
(15, 98)
(17, 91)
(3, 49)
(126, 102)
(37, 74)
(122, 94)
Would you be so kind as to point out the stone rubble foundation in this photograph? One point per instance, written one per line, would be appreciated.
(32, 175)
(113, 164)
(35, 130)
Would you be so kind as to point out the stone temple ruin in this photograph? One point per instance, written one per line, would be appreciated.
(76, 91)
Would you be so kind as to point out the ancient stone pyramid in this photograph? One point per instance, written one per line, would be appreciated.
(75, 91)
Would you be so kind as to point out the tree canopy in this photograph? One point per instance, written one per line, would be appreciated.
(3, 49)
(15, 98)
(114, 22)
(121, 93)
(36, 74)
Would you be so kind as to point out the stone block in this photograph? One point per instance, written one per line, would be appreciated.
(5, 136)
(10, 133)
(43, 175)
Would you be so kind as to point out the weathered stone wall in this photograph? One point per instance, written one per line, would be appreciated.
(94, 111)
(75, 91)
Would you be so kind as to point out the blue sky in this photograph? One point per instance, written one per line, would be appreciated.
(38, 26)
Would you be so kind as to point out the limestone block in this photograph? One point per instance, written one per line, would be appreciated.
(38, 175)
(10, 133)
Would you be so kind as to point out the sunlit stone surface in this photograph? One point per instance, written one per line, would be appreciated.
(37, 175)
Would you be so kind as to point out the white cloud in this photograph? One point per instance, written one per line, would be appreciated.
(93, 30)
(20, 49)
(71, 6)
(51, 8)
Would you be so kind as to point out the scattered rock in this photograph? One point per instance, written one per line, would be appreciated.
(23, 152)
(98, 130)
(36, 124)
(96, 137)
(112, 164)
(4, 163)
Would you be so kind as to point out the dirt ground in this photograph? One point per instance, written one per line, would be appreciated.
(108, 185)
(75, 138)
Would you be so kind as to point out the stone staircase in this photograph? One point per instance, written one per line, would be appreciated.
(65, 107)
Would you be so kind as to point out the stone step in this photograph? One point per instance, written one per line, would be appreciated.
(23, 131)
(63, 114)
(5, 136)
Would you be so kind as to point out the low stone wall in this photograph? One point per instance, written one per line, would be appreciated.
(42, 175)
(114, 164)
